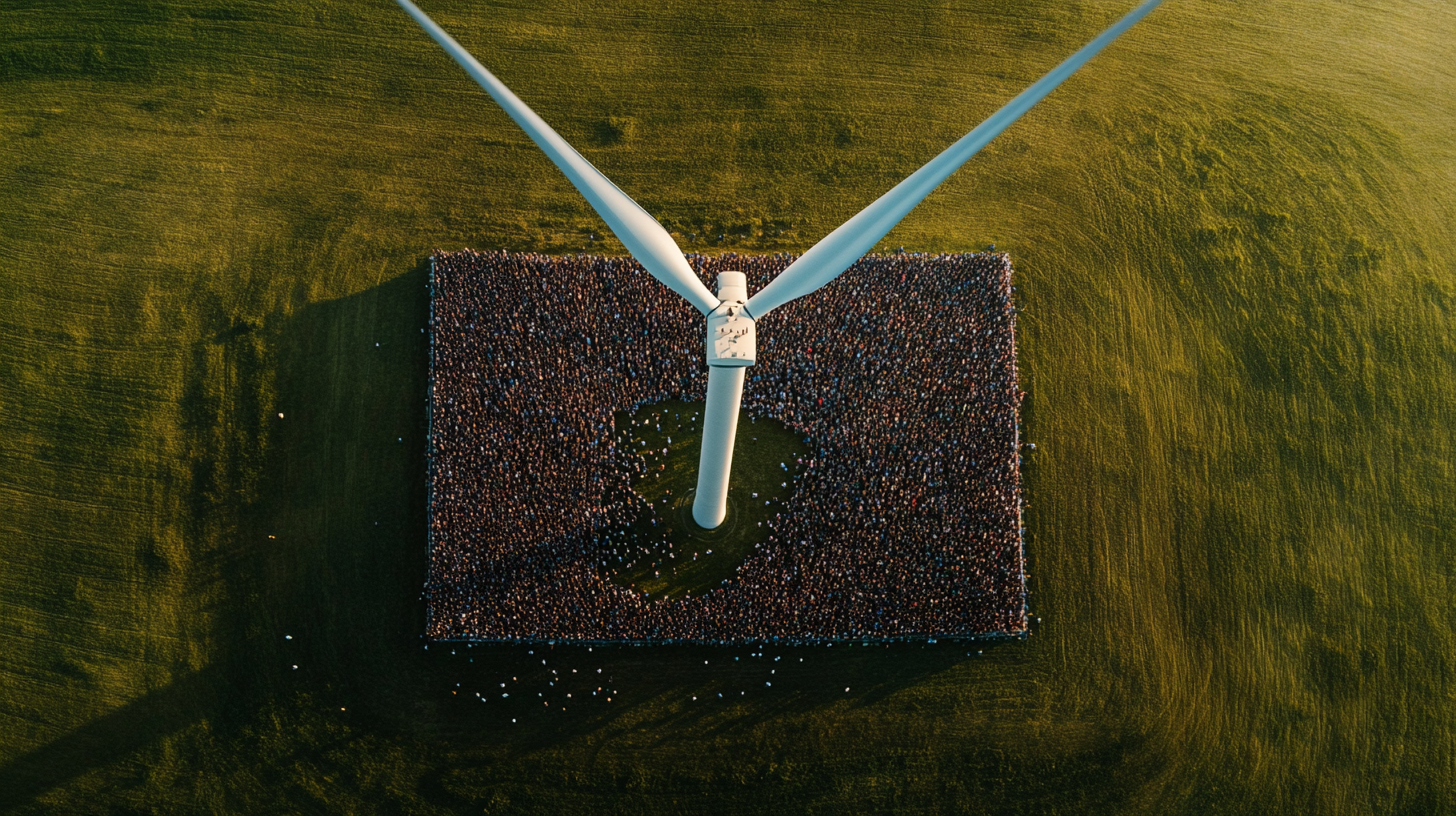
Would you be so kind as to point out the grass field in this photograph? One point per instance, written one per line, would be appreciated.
(1233, 238)
(761, 483)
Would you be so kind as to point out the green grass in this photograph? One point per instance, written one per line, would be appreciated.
(1233, 240)
(758, 487)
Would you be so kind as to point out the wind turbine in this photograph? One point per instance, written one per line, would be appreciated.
(731, 314)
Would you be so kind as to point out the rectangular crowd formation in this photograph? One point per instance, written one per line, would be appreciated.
(901, 374)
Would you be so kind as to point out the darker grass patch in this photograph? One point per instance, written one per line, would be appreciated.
(666, 553)
(612, 131)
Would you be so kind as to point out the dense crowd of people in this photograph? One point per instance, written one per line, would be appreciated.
(901, 374)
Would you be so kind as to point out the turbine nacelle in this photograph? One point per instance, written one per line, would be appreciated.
(732, 339)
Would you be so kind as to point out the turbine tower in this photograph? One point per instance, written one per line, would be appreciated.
(731, 314)
(730, 351)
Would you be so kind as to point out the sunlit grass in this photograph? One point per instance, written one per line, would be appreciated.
(1233, 240)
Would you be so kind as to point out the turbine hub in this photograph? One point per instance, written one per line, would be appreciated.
(731, 337)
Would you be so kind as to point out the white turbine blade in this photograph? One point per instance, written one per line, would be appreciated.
(648, 242)
(715, 459)
(838, 250)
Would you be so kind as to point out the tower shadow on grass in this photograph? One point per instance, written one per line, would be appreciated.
(132, 727)
(324, 570)
(284, 422)
(345, 497)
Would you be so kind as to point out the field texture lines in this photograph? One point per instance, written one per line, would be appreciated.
(1233, 240)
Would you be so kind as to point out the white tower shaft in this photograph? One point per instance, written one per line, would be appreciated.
(731, 348)
(720, 428)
